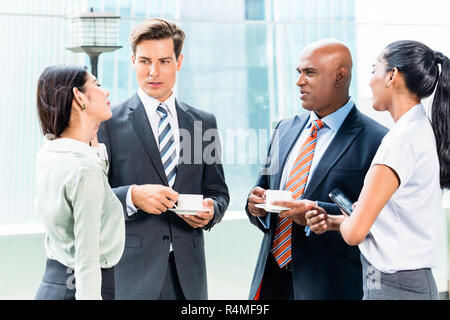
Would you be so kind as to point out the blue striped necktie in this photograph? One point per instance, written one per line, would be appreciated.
(167, 145)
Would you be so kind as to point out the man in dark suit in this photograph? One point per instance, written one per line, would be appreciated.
(311, 154)
(157, 150)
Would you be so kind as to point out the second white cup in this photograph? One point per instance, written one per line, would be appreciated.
(277, 195)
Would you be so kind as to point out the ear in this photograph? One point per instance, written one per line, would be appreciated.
(133, 61)
(391, 77)
(179, 61)
(79, 98)
(341, 75)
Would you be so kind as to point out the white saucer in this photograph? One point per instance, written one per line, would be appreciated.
(189, 211)
(276, 209)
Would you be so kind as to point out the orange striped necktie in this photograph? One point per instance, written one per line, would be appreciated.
(296, 183)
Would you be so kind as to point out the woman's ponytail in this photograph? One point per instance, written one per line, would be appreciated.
(441, 117)
(419, 65)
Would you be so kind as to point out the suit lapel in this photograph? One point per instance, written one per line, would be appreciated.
(139, 120)
(286, 143)
(348, 131)
(185, 125)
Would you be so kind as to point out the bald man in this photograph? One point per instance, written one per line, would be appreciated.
(330, 146)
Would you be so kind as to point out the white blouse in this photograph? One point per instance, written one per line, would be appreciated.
(406, 234)
(83, 218)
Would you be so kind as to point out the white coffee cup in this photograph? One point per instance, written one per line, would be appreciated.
(190, 201)
(277, 195)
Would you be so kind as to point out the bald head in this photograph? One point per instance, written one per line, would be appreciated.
(325, 75)
(334, 53)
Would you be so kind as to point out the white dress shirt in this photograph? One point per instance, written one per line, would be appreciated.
(406, 233)
(150, 106)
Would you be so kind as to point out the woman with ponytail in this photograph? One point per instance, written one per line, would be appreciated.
(400, 203)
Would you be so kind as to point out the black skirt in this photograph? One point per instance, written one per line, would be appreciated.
(58, 283)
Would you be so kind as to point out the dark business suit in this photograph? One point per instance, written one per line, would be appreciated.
(323, 266)
(135, 159)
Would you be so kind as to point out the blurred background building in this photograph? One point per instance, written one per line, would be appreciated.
(239, 63)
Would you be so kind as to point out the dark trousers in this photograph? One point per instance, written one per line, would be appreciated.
(277, 282)
(58, 283)
(172, 289)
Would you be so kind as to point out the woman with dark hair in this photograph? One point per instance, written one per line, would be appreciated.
(400, 203)
(85, 232)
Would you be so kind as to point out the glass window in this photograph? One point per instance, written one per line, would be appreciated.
(241, 70)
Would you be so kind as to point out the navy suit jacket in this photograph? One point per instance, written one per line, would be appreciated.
(135, 159)
(324, 266)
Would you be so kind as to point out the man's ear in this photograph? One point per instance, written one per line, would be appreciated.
(179, 61)
(133, 61)
(340, 76)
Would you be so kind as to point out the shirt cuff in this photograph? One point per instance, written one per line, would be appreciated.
(131, 209)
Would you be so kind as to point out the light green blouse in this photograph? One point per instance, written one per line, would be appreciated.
(81, 214)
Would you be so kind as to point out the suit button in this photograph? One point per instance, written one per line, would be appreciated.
(165, 238)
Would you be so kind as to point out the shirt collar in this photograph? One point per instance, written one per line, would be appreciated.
(68, 145)
(151, 104)
(333, 120)
(414, 113)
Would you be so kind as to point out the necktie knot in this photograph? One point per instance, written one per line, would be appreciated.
(316, 125)
(162, 110)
